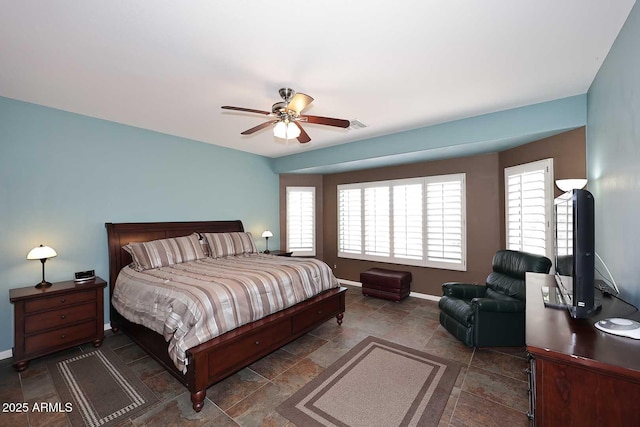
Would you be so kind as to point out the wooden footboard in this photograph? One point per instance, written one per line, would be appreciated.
(226, 354)
(222, 356)
(237, 349)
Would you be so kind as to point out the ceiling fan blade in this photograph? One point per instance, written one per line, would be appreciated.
(299, 102)
(259, 127)
(340, 123)
(248, 110)
(303, 138)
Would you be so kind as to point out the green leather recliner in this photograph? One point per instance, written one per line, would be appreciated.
(491, 315)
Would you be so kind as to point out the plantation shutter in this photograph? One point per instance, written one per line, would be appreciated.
(412, 221)
(407, 221)
(349, 221)
(529, 200)
(301, 221)
(445, 220)
(564, 230)
(377, 239)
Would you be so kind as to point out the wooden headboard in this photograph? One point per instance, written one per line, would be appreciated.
(120, 234)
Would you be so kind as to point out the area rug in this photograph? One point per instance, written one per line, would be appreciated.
(376, 383)
(98, 389)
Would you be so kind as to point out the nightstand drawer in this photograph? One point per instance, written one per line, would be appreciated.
(60, 317)
(60, 337)
(59, 301)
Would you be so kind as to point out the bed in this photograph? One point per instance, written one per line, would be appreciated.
(225, 354)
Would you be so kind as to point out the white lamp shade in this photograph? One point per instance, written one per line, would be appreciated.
(42, 252)
(286, 130)
(267, 233)
(571, 184)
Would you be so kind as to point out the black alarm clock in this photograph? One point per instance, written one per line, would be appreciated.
(84, 276)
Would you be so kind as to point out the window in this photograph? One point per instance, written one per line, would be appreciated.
(417, 221)
(350, 220)
(301, 230)
(376, 221)
(407, 221)
(529, 207)
(445, 221)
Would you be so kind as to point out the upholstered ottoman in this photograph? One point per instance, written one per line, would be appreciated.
(387, 284)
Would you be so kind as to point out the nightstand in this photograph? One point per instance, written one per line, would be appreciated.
(280, 253)
(56, 318)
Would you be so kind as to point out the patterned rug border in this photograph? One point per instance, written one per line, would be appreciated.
(80, 415)
(431, 413)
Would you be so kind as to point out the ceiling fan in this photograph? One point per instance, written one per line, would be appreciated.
(287, 117)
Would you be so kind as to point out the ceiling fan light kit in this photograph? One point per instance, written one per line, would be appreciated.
(287, 117)
(286, 130)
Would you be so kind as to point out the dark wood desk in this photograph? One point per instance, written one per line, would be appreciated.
(580, 376)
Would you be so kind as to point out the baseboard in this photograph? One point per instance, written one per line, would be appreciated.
(349, 282)
(412, 294)
(424, 296)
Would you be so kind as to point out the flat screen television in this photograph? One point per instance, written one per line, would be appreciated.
(574, 249)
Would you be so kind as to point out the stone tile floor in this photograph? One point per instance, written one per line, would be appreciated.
(491, 389)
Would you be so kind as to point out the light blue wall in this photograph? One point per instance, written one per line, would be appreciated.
(486, 133)
(62, 176)
(613, 157)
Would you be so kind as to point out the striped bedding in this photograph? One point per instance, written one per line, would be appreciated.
(192, 302)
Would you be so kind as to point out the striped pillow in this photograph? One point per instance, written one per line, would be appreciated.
(244, 243)
(165, 252)
(228, 244)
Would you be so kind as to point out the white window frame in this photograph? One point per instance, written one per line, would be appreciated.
(393, 257)
(451, 265)
(354, 243)
(402, 222)
(311, 224)
(546, 166)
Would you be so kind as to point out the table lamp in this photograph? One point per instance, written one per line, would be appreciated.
(43, 253)
(266, 235)
(570, 184)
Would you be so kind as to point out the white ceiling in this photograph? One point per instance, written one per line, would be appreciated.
(168, 66)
